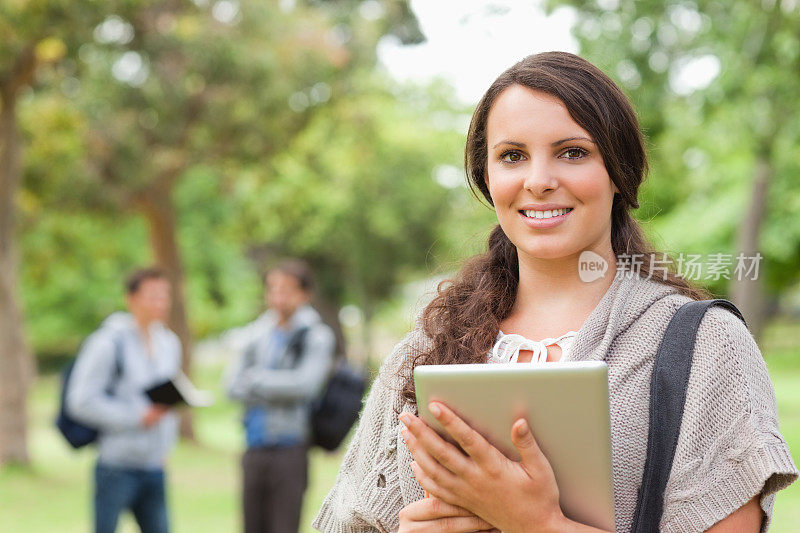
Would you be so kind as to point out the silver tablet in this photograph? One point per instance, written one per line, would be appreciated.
(566, 405)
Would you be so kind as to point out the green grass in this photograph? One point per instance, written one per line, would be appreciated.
(54, 494)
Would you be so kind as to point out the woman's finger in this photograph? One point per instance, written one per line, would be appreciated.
(470, 440)
(431, 486)
(443, 516)
(460, 524)
(433, 514)
(432, 508)
(526, 445)
(432, 468)
(427, 440)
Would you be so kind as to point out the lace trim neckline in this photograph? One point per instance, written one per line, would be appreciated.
(508, 346)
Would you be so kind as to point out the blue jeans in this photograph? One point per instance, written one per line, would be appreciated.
(141, 491)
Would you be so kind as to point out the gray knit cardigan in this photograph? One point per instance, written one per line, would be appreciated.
(729, 450)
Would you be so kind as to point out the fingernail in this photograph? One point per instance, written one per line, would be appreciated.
(405, 418)
(404, 433)
(522, 429)
(435, 410)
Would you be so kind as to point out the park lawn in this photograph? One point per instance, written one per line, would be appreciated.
(54, 494)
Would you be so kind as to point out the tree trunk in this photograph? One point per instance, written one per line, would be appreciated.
(329, 312)
(160, 214)
(748, 294)
(368, 313)
(17, 366)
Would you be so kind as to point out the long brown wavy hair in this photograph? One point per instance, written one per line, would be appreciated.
(463, 320)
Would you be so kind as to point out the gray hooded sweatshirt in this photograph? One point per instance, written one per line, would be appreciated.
(123, 441)
(272, 381)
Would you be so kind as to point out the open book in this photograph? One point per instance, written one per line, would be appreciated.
(179, 390)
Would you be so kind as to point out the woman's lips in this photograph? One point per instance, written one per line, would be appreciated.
(544, 223)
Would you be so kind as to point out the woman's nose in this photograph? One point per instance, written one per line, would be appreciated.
(540, 178)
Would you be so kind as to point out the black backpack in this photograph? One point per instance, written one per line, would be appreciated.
(671, 371)
(77, 434)
(334, 411)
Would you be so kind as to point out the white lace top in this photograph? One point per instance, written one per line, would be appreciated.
(508, 346)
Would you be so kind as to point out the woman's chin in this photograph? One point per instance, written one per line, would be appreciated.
(549, 253)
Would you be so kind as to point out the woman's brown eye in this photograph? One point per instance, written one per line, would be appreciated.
(512, 157)
(574, 153)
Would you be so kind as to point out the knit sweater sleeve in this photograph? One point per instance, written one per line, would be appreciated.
(730, 448)
(367, 493)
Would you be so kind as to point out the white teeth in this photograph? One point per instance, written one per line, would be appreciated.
(546, 214)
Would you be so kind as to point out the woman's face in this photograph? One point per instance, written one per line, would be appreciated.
(546, 177)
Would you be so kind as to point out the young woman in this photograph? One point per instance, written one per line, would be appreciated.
(555, 147)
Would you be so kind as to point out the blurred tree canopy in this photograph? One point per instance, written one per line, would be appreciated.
(215, 136)
(723, 152)
(151, 131)
(182, 129)
(355, 191)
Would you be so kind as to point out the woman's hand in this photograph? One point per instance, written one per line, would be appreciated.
(513, 496)
(432, 514)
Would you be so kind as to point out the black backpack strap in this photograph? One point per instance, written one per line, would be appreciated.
(118, 366)
(296, 345)
(670, 379)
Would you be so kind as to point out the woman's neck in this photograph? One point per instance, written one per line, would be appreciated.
(555, 296)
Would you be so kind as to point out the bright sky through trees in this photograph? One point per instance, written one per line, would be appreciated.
(470, 42)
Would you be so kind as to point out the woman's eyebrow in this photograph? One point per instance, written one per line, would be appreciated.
(512, 143)
(562, 141)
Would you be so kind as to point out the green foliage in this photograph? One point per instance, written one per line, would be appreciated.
(355, 192)
(264, 126)
(73, 268)
(705, 143)
(271, 132)
(223, 288)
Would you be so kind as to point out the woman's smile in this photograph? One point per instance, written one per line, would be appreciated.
(544, 217)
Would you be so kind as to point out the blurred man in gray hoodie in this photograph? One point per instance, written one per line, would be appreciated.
(281, 370)
(128, 354)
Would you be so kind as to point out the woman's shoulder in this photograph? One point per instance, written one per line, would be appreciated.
(664, 300)
(719, 326)
(399, 359)
(721, 335)
(638, 310)
(728, 363)
(726, 360)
